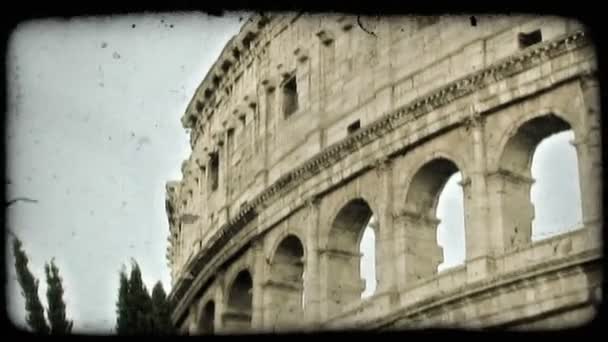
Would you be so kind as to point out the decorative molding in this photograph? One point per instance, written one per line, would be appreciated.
(502, 69)
(475, 120)
(313, 202)
(287, 285)
(383, 164)
(417, 217)
(337, 252)
(511, 176)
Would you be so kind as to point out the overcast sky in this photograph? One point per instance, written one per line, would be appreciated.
(94, 133)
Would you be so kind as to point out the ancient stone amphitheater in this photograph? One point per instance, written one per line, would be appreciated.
(306, 126)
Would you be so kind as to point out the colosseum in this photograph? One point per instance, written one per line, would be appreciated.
(310, 128)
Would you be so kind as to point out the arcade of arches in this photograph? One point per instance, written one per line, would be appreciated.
(436, 210)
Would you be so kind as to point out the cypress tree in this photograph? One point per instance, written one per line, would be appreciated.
(140, 303)
(123, 319)
(29, 286)
(161, 311)
(54, 294)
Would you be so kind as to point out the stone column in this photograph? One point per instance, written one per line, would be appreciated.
(193, 320)
(203, 212)
(323, 266)
(589, 153)
(312, 274)
(418, 253)
(225, 168)
(220, 302)
(259, 276)
(512, 210)
(385, 252)
(478, 247)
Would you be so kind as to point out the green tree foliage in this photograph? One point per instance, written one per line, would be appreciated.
(123, 320)
(140, 302)
(137, 312)
(161, 311)
(54, 294)
(29, 286)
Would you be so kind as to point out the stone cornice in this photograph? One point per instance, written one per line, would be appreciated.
(467, 85)
(248, 45)
(234, 54)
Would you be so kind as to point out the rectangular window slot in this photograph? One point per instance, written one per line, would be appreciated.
(231, 142)
(352, 128)
(290, 97)
(214, 164)
(529, 39)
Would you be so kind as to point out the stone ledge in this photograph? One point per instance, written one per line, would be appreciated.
(500, 282)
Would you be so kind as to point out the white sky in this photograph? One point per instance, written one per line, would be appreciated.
(94, 133)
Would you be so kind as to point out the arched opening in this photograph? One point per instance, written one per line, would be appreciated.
(207, 318)
(422, 246)
(286, 284)
(239, 303)
(556, 193)
(543, 199)
(367, 248)
(344, 256)
(450, 232)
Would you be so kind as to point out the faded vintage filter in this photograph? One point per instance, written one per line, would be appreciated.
(310, 129)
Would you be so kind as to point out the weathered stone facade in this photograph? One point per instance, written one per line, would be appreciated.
(306, 126)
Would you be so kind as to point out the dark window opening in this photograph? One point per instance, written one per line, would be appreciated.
(290, 97)
(352, 128)
(529, 39)
(214, 164)
(226, 65)
(248, 39)
(203, 171)
(216, 81)
(231, 143)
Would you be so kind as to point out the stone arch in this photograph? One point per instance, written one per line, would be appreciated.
(344, 285)
(285, 285)
(522, 137)
(418, 221)
(281, 237)
(456, 160)
(514, 126)
(239, 302)
(335, 211)
(206, 318)
(513, 175)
